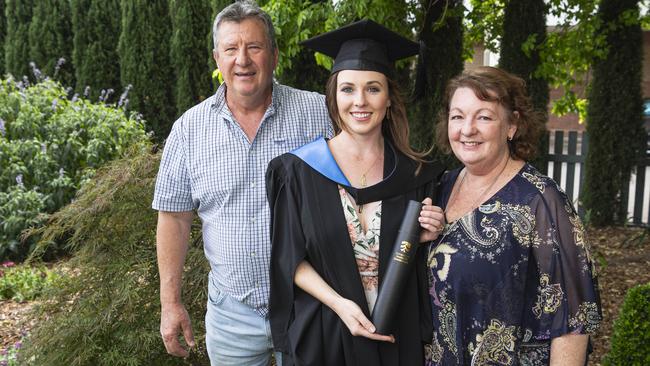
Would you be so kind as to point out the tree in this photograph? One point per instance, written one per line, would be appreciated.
(3, 33)
(524, 29)
(614, 113)
(305, 73)
(50, 39)
(294, 22)
(96, 28)
(441, 32)
(107, 310)
(565, 54)
(190, 22)
(144, 62)
(16, 47)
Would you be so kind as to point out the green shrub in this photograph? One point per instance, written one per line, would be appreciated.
(50, 146)
(631, 338)
(24, 283)
(108, 311)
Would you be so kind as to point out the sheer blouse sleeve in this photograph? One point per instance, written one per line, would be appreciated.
(561, 291)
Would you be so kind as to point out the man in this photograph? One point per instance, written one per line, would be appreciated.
(214, 162)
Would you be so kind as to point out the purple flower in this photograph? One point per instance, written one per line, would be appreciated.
(4, 352)
(19, 179)
(102, 95)
(3, 130)
(75, 97)
(55, 102)
(18, 345)
(86, 91)
(37, 73)
(109, 92)
(59, 63)
(4, 363)
(43, 148)
(61, 172)
(8, 264)
(123, 98)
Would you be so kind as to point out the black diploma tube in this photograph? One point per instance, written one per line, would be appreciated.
(399, 267)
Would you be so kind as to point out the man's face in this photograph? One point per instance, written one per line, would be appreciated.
(245, 58)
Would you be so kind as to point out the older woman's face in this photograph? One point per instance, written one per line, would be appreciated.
(478, 130)
(362, 98)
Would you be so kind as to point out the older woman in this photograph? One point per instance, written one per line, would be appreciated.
(512, 282)
(336, 208)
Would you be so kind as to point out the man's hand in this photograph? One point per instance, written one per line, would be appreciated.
(175, 320)
(172, 237)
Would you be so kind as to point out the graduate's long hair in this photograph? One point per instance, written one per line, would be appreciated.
(395, 127)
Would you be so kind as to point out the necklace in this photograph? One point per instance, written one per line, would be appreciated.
(362, 180)
(480, 196)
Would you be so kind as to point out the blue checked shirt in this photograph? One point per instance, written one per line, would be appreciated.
(209, 165)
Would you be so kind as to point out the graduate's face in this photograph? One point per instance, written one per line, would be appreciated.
(478, 130)
(362, 98)
(245, 58)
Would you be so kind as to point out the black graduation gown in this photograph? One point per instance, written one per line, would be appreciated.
(308, 222)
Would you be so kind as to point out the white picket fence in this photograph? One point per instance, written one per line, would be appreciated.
(567, 153)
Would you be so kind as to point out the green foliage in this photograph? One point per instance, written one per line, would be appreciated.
(297, 20)
(49, 146)
(96, 28)
(19, 209)
(144, 62)
(16, 46)
(114, 292)
(565, 53)
(25, 283)
(3, 34)
(190, 23)
(442, 34)
(613, 153)
(9, 355)
(50, 39)
(301, 69)
(524, 29)
(631, 339)
(216, 6)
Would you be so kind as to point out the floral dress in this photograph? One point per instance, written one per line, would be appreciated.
(365, 246)
(509, 276)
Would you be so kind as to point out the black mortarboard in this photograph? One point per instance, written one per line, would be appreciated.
(363, 45)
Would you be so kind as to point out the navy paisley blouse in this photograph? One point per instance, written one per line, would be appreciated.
(509, 276)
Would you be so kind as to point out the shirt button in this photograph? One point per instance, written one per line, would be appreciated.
(252, 254)
(252, 219)
(253, 185)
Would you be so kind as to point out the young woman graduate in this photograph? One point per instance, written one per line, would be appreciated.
(336, 207)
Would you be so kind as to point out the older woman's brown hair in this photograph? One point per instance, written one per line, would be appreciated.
(492, 84)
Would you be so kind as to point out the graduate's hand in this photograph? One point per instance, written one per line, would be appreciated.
(432, 221)
(357, 322)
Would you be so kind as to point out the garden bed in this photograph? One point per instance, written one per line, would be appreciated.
(621, 263)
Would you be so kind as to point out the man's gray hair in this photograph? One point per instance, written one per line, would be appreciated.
(239, 11)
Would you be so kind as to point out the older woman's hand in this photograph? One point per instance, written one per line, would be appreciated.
(432, 221)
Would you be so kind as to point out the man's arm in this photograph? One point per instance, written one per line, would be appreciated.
(172, 238)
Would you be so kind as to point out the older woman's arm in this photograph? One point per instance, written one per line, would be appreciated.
(569, 350)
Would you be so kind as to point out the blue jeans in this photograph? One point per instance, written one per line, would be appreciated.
(235, 334)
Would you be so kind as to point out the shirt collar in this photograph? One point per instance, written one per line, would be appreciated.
(220, 106)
